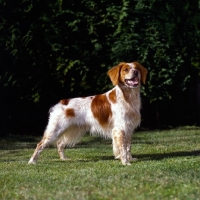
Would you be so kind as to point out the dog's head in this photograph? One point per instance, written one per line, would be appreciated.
(128, 74)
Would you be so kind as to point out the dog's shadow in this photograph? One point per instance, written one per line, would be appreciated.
(161, 156)
(142, 157)
(157, 156)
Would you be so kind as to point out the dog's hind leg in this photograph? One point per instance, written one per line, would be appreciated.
(51, 134)
(69, 138)
(46, 140)
(61, 146)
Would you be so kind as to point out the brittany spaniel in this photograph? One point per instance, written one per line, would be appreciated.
(114, 114)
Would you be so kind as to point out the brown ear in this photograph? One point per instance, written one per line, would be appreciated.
(143, 72)
(113, 73)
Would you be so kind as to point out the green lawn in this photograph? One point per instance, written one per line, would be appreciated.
(168, 167)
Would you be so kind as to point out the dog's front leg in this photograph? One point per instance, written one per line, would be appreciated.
(128, 142)
(120, 146)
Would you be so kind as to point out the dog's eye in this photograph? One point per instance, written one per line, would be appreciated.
(126, 69)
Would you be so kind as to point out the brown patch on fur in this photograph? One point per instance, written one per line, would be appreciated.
(101, 109)
(65, 101)
(112, 96)
(70, 112)
(125, 68)
(113, 73)
(143, 71)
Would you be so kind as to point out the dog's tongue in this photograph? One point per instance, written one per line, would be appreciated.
(133, 81)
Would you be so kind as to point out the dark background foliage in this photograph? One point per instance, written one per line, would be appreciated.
(50, 50)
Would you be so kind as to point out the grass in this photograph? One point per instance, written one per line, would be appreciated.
(168, 167)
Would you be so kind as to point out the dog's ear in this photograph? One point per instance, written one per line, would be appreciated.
(143, 72)
(114, 73)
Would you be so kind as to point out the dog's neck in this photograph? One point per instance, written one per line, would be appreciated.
(131, 95)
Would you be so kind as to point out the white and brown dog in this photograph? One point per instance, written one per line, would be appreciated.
(114, 114)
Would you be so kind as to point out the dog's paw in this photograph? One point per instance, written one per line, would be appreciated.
(126, 163)
(117, 157)
(31, 161)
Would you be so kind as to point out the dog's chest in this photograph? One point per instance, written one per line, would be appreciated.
(131, 109)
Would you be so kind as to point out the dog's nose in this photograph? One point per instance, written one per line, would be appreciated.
(135, 72)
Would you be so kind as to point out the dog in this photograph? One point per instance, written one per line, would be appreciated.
(114, 114)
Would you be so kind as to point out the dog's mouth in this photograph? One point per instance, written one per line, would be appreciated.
(133, 82)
